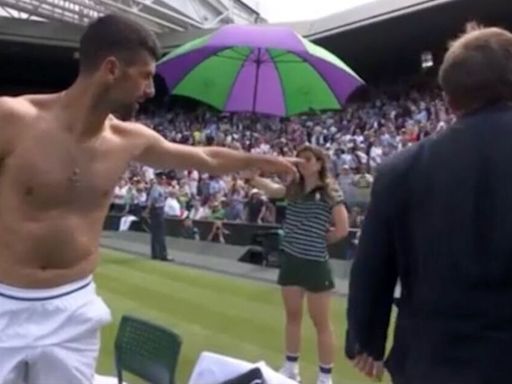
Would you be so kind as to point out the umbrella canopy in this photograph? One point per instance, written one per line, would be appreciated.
(261, 69)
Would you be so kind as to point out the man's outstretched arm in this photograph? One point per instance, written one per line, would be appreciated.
(160, 153)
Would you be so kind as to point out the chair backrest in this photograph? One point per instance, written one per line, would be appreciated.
(147, 350)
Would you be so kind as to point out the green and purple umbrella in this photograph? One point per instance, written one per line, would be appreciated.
(261, 69)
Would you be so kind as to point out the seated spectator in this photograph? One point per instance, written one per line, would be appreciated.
(363, 182)
(270, 212)
(184, 193)
(137, 198)
(217, 186)
(192, 179)
(235, 201)
(197, 210)
(356, 218)
(255, 207)
(172, 207)
(119, 198)
(217, 233)
(189, 231)
(346, 183)
(363, 179)
(148, 173)
(217, 213)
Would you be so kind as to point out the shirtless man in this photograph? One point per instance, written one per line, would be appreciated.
(60, 157)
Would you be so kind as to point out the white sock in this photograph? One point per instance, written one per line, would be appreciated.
(324, 375)
(291, 362)
(290, 366)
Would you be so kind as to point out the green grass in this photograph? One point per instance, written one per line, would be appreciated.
(223, 314)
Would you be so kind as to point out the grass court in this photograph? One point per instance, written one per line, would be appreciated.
(214, 312)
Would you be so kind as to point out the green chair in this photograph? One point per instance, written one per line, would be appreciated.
(146, 350)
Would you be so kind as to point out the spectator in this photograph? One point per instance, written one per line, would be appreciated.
(119, 198)
(172, 207)
(269, 212)
(217, 233)
(216, 210)
(217, 186)
(189, 230)
(255, 207)
(198, 211)
(136, 197)
(235, 201)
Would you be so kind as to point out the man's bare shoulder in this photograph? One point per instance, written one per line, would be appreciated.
(26, 106)
(136, 137)
(132, 130)
(16, 107)
(17, 116)
(149, 147)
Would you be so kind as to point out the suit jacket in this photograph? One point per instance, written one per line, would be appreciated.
(440, 223)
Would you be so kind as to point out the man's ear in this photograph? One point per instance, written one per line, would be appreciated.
(111, 67)
(451, 104)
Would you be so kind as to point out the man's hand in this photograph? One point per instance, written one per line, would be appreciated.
(369, 367)
(286, 166)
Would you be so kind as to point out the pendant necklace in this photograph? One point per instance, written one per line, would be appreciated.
(75, 177)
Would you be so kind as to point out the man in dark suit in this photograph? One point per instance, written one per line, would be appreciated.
(440, 222)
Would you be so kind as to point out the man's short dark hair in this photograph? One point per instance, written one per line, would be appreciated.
(477, 69)
(115, 35)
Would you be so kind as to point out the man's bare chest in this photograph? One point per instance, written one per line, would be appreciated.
(53, 173)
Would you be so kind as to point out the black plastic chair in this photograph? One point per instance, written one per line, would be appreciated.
(146, 350)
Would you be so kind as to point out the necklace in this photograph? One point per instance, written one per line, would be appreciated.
(75, 177)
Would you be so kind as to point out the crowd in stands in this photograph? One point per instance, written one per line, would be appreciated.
(357, 139)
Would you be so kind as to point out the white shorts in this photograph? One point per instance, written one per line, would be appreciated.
(50, 336)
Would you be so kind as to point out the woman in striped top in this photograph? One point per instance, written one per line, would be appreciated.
(315, 217)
